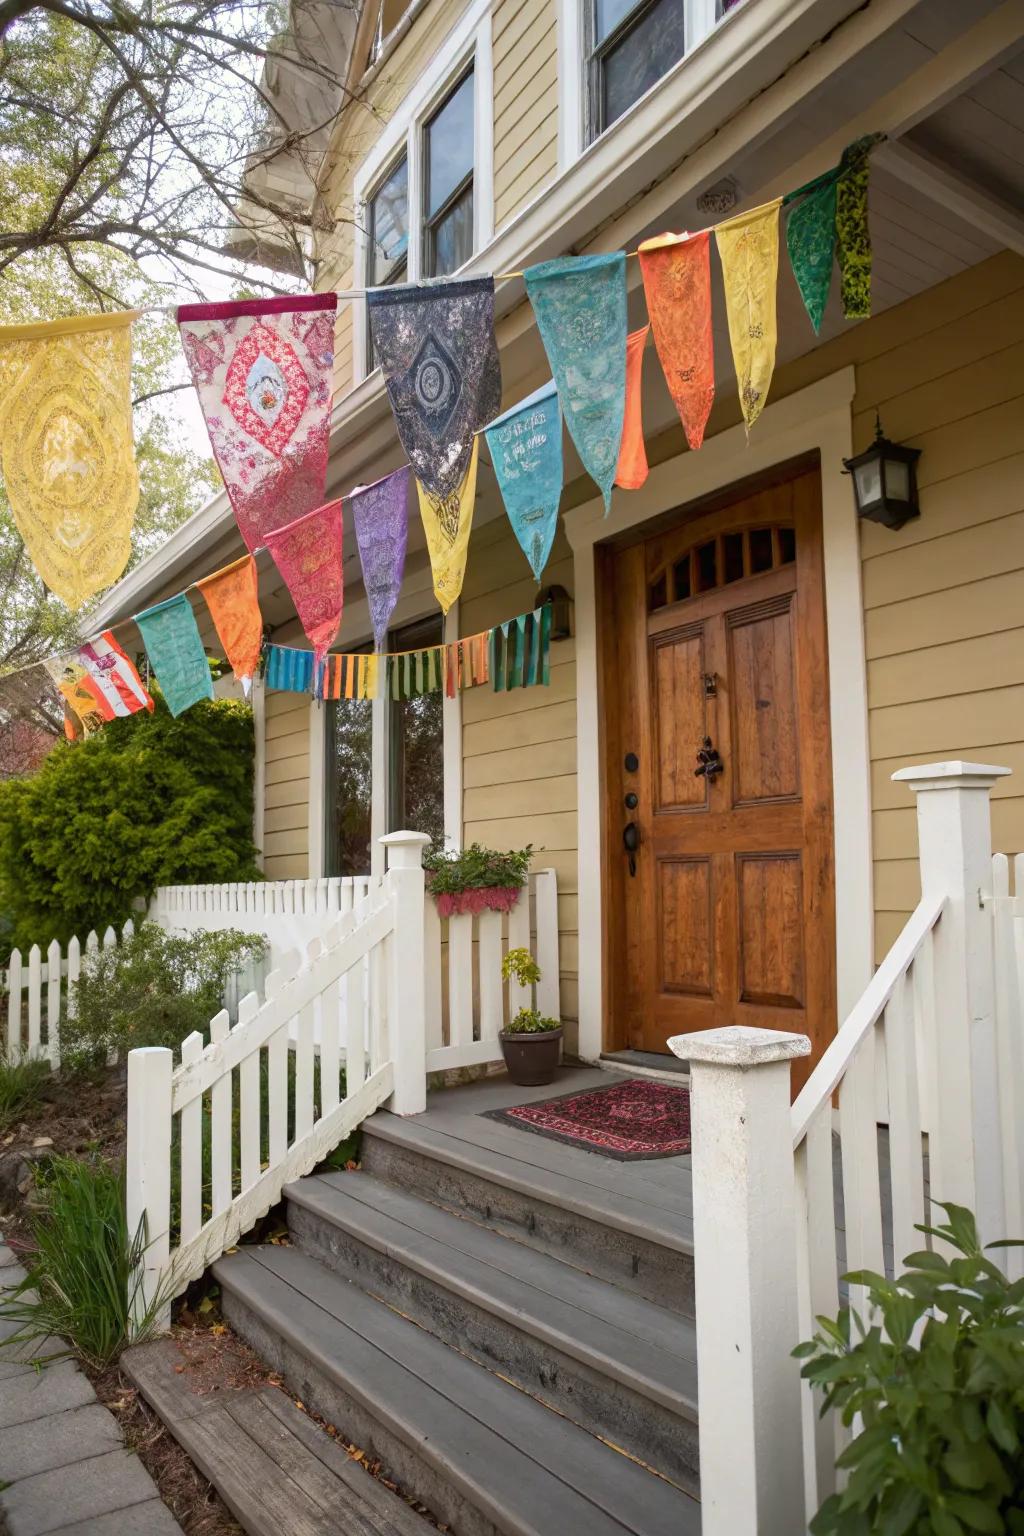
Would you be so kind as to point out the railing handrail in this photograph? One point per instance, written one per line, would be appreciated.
(830, 1070)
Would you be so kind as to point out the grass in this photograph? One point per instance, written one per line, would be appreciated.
(21, 1085)
(81, 1279)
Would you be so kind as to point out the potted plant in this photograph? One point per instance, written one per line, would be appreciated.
(530, 1043)
(476, 879)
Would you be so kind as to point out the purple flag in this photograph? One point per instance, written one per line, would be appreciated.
(381, 521)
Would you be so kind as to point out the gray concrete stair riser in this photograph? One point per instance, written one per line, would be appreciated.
(412, 1473)
(637, 1264)
(603, 1406)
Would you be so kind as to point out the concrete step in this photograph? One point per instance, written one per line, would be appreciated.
(619, 1365)
(485, 1457)
(603, 1231)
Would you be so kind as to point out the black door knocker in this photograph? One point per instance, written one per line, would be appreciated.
(709, 761)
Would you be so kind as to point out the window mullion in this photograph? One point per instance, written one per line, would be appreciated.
(414, 153)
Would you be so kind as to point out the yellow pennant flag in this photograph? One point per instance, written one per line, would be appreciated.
(749, 248)
(66, 447)
(447, 522)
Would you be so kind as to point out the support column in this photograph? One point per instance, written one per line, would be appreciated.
(955, 850)
(744, 1225)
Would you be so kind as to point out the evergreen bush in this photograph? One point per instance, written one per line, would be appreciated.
(147, 801)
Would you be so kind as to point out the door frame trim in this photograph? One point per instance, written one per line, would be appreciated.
(818, 418)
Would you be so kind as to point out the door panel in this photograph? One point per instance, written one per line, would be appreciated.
(720, 647)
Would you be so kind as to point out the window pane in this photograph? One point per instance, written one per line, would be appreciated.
(451, 239)
(349, 775)
(417, 747)
(642, 57)
(608, 14)
(389, 227)
(449, 146)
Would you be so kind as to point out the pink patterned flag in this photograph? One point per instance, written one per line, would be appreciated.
(308, 555)
(262, 369)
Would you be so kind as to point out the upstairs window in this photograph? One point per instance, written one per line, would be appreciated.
(387, 235)
(448, 182)
(633, 43)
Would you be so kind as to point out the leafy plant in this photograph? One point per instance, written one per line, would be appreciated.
(147, 801)
(529, 1022)
(20, 1086)
(450, 870)
(520, 964)
(155, 989)
(82, 1281)
(941, 1452)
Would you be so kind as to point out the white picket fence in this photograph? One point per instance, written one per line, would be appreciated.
(919, 1092)
(288, 913)
(388, 994)
(41, 992)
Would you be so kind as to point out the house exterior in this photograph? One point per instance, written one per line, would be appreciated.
(736, 596)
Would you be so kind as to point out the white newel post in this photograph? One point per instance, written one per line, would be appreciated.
(955, 836)
(408, 990)
(148, 1171)
(744, 1222)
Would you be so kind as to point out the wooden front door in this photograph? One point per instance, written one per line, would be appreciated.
(715, 656)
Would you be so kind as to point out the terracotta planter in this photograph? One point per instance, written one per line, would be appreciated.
(487, 898)
(531, 1060)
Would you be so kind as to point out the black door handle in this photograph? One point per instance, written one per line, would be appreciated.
(631, 842)
(709, 761)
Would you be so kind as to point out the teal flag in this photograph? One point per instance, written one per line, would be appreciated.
(525, 445)
(811, 242)
(171, 637)
(580, 305)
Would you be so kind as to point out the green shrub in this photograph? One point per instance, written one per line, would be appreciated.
(20, 1085)
(147, 801)
(155, 989)
(529, 1022)
(475, 868)
(941, 1452)
(82, 1278)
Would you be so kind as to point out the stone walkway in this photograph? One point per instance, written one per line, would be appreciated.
(62, 1464)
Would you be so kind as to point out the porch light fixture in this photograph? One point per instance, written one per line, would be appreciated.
(561, 611)
(885, 481)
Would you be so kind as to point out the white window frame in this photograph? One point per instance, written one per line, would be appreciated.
(468, 44)
(700, 21)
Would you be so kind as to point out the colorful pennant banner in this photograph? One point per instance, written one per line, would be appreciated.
(381, 521)
(749, 249)
(525, 445)
(676, 270)
(175, 650)
(308, 554)
(631, 470)
(263, 371)
(98, 683)
(447, 524)
(66, 448)
(232, 596)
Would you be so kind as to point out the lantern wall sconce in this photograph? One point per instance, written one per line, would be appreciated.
(561, 611)
(885, 481)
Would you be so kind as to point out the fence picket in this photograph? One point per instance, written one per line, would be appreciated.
(330, 1052)
(491, 987)
(249, 1101)
(14, 1006)
(74, 972)
(35, 1000)
(191, 1148)
(304, 1073)
(355, 1029)
(432, 978)
(859, 1139)
(220, 1118)
(906, 1160)
(545, 886)
(519, 938)
(53, 986)
(460, 979)
(1009, 1052)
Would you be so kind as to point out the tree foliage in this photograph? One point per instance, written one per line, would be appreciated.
(147, 801)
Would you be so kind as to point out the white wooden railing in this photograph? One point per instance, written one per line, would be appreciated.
(386, 996)
(39, 993)
(287, 913)
(917, 1096)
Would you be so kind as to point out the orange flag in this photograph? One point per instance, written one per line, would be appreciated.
(232, 597)
(631, 470)
(676, 271)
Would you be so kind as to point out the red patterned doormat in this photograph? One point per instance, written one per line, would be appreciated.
(631, 1120)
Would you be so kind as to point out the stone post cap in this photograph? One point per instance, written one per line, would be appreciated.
(405, 849)
(738, 1045)
(951, 775)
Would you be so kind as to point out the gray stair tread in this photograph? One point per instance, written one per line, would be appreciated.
(625, 1212)
(530, 1470)
(278, 1473)
(652, 1061)
(622, 1335)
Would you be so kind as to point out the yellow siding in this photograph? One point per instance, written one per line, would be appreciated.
(519, 749)
(525, 102)
(286, 805)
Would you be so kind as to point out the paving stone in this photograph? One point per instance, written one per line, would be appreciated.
(150, 1519)
(42, 1445)
(30, 1355)
(54, 1389)
(76, 1494)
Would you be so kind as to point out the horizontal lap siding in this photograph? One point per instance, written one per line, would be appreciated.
(944, 597)
(519, 748)
(286, 802)
(525, 47)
